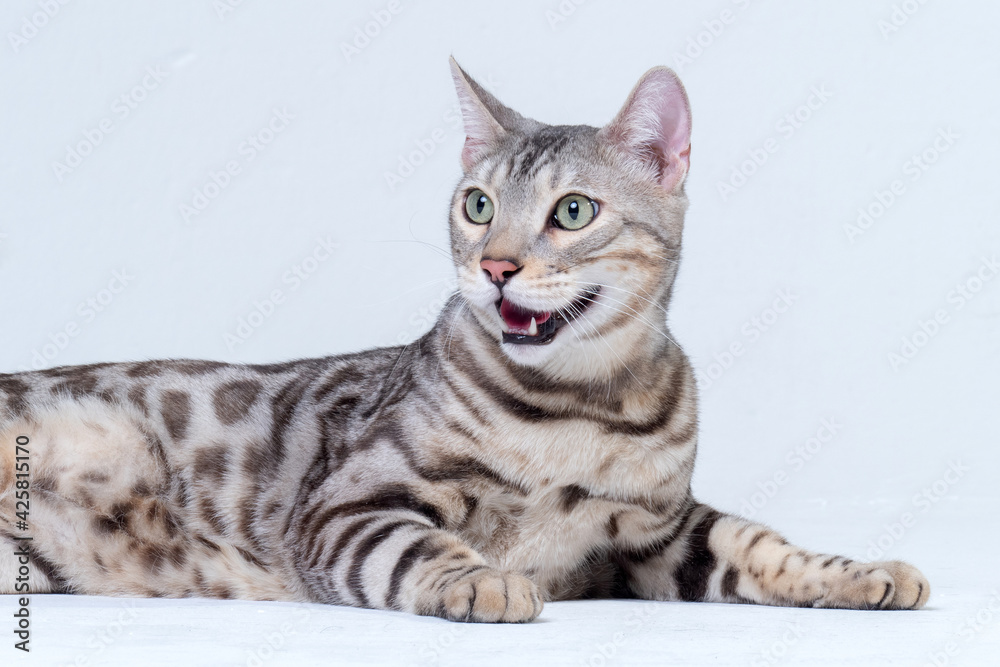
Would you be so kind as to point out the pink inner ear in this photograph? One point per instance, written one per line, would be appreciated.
(655, 124)
(471, 151)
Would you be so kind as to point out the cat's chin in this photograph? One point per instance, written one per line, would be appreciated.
(529, 355)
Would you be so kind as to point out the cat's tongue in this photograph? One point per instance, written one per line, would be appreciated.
(518, 319)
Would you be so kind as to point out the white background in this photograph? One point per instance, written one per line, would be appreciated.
(892, 88)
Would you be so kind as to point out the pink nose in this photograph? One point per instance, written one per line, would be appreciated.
(499, 271)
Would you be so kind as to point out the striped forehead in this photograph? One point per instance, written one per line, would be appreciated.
(547, 157)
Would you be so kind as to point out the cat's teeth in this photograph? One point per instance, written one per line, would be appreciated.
(503, 326)
(533, 329)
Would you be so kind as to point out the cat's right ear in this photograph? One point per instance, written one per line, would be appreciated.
(654, 126)
(486, 120)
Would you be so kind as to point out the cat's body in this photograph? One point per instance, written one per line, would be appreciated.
(537, 443)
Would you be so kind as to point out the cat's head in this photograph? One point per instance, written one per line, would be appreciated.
(566, 238)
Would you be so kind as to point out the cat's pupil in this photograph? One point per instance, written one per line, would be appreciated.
(574, 209)
(480, 204)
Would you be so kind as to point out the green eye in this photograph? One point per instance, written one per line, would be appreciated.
(574, 212)
(478, 207)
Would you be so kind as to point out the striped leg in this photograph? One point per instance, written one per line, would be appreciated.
(393, 560)
(716, 557)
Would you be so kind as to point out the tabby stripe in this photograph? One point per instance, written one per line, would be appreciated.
(692, 575)
(396, 497)
(422, 550)
(467, 402)
(639, 555)
(730, 581)
(59, 583)
(533, 413)
(344, 538)
(365, 548)
(283, 407)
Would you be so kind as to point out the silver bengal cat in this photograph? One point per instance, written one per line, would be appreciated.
(536, 444)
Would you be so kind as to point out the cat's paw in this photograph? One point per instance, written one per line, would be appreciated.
(881, 585)
(492, 596)
(911, 587)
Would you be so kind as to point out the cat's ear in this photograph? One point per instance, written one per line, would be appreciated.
(486, 120)
(654, 126)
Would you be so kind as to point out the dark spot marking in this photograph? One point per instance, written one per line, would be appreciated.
(211, 463)
(571, 496)
(95, 477)
(153, 558)
(16, 391)
(116, 521)
(232, 401)
(612, 527)
(137, 396)
(221, 591)
(730, 580)
(77, 385)
(176, 409)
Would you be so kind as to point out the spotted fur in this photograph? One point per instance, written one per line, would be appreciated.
(459, 476)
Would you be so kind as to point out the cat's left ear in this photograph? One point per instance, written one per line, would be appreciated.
(654, 126)
(486, 120)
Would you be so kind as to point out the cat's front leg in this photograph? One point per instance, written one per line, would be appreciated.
(715, 557)
(391, 559)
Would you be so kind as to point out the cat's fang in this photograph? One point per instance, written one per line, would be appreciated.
(533, 329)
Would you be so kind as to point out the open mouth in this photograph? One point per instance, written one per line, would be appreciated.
(529, 327)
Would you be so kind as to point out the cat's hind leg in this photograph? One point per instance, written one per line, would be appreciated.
(715, 557)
